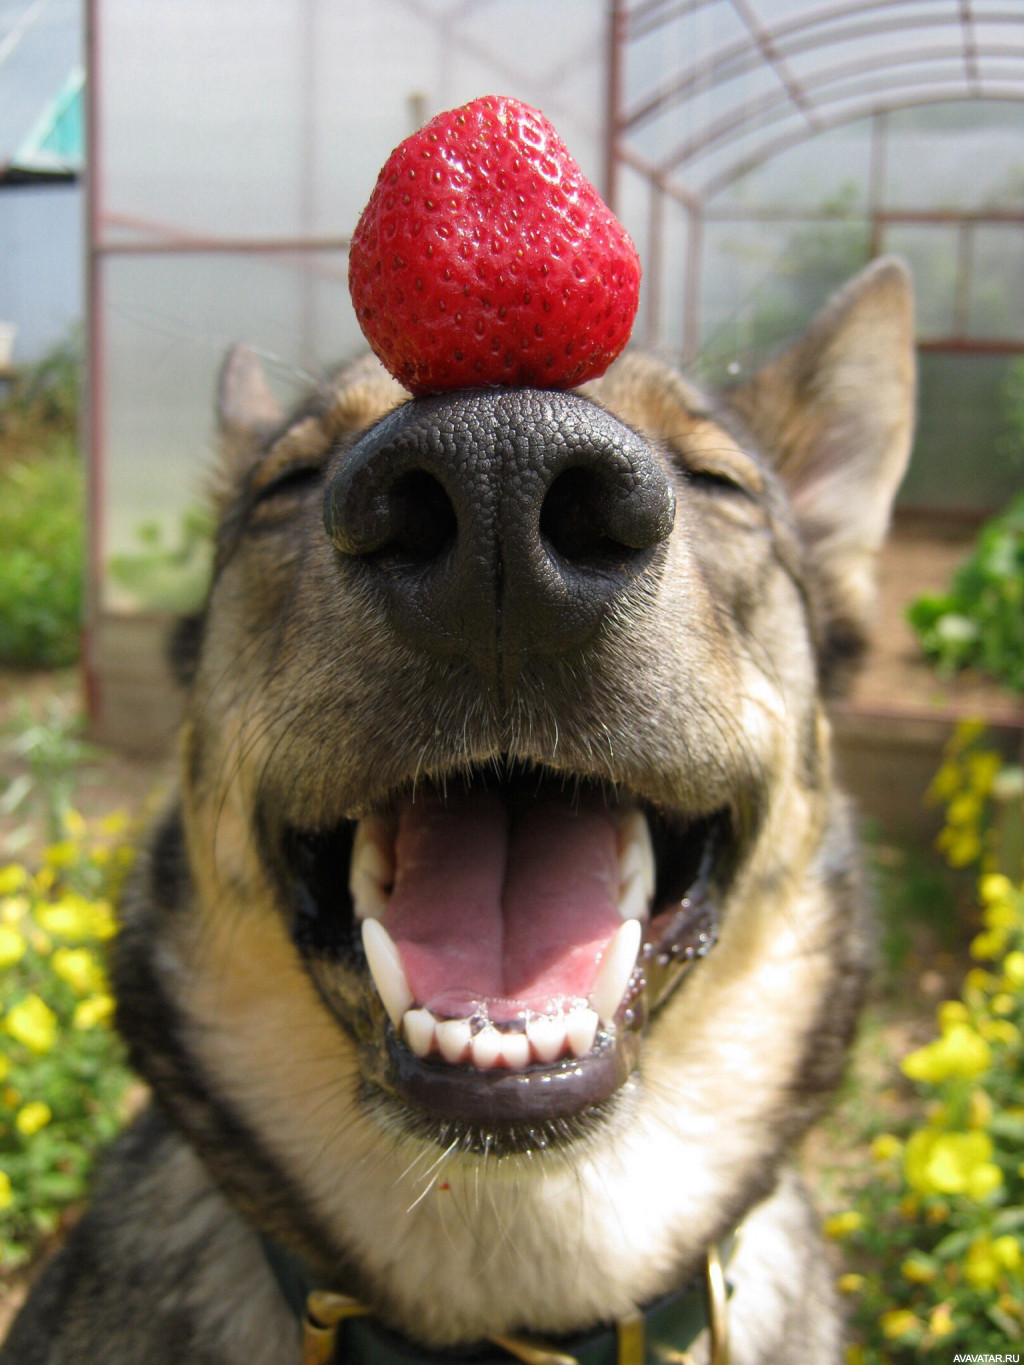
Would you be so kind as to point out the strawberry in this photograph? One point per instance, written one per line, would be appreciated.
(486, 257)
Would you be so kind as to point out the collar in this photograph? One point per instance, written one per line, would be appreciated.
(336, 1327)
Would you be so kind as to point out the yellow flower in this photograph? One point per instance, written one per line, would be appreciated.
(945, 783)
(842, 1224)
(952, 1012)
(13, 878)
(977, 979)
(34, 1116)
(74, 824)
(62, 854)
(5, 1066)
(44, 879)
(75, 917)
(1000, 1031)
(961, 846)
(938, 1212)
(115, 823)
(33, 1023)
(980, 1108)
(981, 1265)
(940, 1324)
(988, 945)
(995, 887)
(982, 768)
(886, 1147)
(1007, 1252)
(1003, 1003)
(1001, 917)
(898, 1322)
(950, 1163)
(917, 1270)
(850, 1283)
(12, 946)
(964, 809)
(1013, 968)
(97, 1009)
(960, 1052)
(6, 1193)
(15, 908)
(79, 969)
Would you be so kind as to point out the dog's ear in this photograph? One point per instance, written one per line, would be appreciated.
(248, 414)
(836, 413)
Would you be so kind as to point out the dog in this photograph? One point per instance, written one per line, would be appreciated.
(506, 930)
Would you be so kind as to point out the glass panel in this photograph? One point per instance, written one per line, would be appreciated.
(764, 282)
(162, 360)
(966, 454)
(931, 253)
(996, 294)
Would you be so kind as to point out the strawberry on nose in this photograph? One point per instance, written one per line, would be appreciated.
(485, 257)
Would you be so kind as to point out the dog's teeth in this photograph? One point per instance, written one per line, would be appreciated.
(546, 1036)
(418, 1026)
(581, 1030)
(615, 971)
(369, 899)
(486, 1048)
(371, 868)
(386, 969)
(636, 853)
(453, 1038)
(515, 1050)
(633, 899)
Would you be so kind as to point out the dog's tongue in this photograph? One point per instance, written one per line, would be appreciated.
(502, 908)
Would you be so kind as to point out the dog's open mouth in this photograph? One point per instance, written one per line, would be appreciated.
(518, 928)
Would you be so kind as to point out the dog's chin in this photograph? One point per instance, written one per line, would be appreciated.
(497, 944)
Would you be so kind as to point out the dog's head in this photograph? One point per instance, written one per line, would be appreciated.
(508, 808)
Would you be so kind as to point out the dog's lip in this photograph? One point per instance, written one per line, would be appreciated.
(681, 929)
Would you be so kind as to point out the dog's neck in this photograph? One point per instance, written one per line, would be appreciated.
(338, 1327)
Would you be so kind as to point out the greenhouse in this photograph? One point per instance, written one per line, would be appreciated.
(759, 154)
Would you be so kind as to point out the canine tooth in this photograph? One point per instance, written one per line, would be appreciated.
(581, 1030)
(633, 899)
(617, 963)
(637, 851)
(368, 897)
(419, 1031)
(486, 1047)
(371, 867)
(386, 969)
(515, 1050)
(453, 1038)
(546, 1036)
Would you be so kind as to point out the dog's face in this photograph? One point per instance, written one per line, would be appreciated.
(521, 931)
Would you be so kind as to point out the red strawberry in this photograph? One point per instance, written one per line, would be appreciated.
(486, 257)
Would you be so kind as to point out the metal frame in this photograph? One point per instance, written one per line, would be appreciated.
(836, 92)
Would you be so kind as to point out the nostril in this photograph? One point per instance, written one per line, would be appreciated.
(574, 519)
(422, 520)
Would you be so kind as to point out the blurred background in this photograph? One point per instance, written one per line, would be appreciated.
(179, 175)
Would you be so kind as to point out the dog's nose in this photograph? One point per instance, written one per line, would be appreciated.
(500, 523)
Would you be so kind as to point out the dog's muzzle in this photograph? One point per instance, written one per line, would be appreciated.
(500, 523)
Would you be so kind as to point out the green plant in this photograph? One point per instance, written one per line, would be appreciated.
(62, 1074)
(40, 413)
(936, 1236)
(41, 561)
(165, 575)
(980, 621)
(47, 753)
